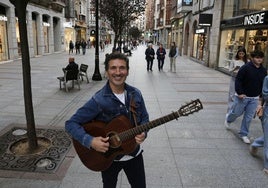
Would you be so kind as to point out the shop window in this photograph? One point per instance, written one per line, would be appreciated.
(257, 40)
(3, 42)
(231, 40)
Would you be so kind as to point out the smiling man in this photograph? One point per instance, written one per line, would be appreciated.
(116, 98)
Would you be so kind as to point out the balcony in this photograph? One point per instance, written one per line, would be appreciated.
(58, 5)
(82, 18)
(44, 3)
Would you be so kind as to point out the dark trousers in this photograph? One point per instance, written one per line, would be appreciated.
(149, 64)
(134, 170)
(160, 64)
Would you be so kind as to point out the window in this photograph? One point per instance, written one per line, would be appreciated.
(234, 8)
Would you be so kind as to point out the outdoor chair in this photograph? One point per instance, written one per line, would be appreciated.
(69, 75)
(83, 72)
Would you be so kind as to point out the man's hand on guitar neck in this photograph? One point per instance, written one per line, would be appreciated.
(100, 144)
(140, 138)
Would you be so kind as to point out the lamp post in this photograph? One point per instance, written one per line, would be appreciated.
(97, 76)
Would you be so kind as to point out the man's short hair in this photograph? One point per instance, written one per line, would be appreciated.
(71, 59)
(257, 53)
(113, 56)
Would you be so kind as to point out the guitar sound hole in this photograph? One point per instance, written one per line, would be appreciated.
(114, 140)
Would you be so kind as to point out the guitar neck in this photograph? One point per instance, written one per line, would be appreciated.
(147, 126)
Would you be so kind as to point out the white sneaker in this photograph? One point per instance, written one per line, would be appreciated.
(245, 139)
(227, 125)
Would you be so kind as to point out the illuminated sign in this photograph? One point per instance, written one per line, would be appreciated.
(46, 24)
(256, 19)
(184, 3)
(67, 24)
(201, 30)
(3, 18)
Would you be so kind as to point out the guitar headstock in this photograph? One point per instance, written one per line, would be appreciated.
(191, 107)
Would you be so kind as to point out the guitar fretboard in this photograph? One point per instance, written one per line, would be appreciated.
(147, 126)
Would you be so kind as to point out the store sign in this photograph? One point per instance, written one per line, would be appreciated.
(67, 24)
(200, 31)
(46, 24)
(255, 19)
(205, 19)
(184, 5)
(3, 18)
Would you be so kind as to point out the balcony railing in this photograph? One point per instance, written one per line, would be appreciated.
(56, 5)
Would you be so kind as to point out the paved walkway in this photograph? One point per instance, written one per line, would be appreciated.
(194, 151)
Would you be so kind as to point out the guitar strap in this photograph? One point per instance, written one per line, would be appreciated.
(133, 111)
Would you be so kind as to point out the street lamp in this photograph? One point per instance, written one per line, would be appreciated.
(97, 76)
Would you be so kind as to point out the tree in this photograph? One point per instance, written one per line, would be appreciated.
(134, 32)
(120, 13)
(20, 6)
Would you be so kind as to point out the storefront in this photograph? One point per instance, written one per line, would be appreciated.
(18, 36)
(3, 37)
(35, 33)
(80, 28)
(46, 29)
(176, 33)
(200, 44)
(69, 34)
(249, 31)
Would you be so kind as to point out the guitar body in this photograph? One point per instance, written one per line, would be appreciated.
(122, 136)
(98, 161)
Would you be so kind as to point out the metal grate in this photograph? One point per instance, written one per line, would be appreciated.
(46, 161)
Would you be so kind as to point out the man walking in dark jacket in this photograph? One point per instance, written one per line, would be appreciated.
(149, 56)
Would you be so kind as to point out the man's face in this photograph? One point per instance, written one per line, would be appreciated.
(257, 60)
(117, 73)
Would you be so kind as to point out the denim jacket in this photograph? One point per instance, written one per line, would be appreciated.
(104, 106)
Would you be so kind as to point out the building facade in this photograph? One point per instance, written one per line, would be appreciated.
(162, 23)
(211, 31)
(44, 27)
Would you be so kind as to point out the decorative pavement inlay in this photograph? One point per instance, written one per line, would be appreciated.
(46, 161)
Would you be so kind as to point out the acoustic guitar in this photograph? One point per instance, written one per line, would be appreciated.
(122, 136)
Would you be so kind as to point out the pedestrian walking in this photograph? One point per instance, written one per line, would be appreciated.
(248, 87)
(88, 43)
(173, 54)
(239, 60)
(71, 47)
(84, 46)
(102, 46)
(114, 99)
(262, 141)
(77, 47)
(161, 53)
(149, 56)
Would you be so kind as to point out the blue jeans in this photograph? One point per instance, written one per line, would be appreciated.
(262, 141)
(231, 94)
(247, 106)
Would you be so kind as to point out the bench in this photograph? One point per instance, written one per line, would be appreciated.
(83, 72)
(69, 75)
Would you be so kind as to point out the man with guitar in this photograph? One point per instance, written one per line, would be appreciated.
(115, 101)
